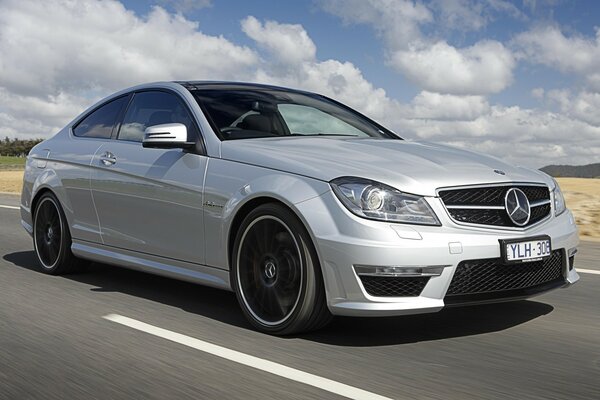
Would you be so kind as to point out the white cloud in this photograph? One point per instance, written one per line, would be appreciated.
(537, 93)
(471, 15)
(397, 21)
(428, 105)
(522, 136)
(462, 14)
(60, 50)
(59, 57)
(486, 67)
(17, 127)
(49, 112)
(290, 60)
(548, 45)
(89, 44)
(540, 5)
(432, 64)
(285, 42)
(507, 8)
(584, 105)
(49, 74)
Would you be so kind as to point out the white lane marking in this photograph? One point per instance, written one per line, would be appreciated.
(588, 271)
(248, 360)
(10, 207)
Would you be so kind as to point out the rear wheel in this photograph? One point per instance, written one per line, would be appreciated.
(276, 274)
(51, 237)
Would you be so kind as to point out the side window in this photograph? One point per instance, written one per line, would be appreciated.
(100, 123)
(154, 108)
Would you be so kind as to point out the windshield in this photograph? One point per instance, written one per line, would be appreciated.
(250, 112)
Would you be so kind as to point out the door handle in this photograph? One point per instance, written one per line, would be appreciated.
(108, 159)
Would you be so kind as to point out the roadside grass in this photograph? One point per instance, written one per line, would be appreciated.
(12, 163)
(11, 181)
(583, 199)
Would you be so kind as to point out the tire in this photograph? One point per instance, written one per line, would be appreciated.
(276, 274)
(52, 239)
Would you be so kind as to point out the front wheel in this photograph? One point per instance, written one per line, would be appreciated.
(276, 274)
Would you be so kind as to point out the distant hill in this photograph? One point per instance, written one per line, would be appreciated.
(573, 171)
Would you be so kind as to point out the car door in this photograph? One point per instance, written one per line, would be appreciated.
(150, 200)
(73, 157)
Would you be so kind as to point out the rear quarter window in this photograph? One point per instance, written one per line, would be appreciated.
(100, 123)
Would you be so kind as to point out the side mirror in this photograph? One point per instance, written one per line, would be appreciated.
(166, 136)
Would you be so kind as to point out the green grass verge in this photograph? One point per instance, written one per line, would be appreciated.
(8, 162)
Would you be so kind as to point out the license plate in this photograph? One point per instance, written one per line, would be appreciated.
(525, 250)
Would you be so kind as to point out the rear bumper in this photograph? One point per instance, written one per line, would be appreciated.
(344, 241)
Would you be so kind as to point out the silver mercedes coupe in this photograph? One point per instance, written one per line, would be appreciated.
(300, 205)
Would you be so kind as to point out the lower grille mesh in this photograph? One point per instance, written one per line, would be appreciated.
(383, 286)
(491, 275)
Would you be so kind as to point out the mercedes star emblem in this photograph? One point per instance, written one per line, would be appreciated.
(517, 206)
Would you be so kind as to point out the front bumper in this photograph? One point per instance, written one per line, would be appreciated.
(344, 241)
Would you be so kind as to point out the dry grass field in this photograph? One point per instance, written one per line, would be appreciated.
(582, 195)
(11, 181)
(583, 198)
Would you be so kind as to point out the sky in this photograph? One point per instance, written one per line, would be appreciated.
(518, 80)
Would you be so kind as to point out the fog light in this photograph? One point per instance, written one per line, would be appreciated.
(399, 271)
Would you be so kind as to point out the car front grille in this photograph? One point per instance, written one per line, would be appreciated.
(387, 286)
(485, 205)
(489, 279)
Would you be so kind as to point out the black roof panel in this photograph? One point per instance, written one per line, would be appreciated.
(227, 85)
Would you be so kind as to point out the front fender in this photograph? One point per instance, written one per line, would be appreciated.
(230, 186)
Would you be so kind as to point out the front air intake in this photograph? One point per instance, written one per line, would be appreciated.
(380, 286)
(491, 279)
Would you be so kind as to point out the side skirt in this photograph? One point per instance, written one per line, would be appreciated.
(182, 270)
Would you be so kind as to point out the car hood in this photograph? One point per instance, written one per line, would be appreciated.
(412, 167)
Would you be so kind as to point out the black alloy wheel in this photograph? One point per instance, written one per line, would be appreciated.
(272, 277)
(48, 232)
(51, 237)
(276, 273)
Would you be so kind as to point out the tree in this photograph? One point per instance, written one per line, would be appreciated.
(17, 147)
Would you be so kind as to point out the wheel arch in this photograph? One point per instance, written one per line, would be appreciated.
(49, 182)
(38, 195)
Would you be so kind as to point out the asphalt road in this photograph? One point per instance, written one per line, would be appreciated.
(55, 343)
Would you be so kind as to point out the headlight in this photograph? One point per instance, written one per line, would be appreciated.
(559, 199)
(374, 200)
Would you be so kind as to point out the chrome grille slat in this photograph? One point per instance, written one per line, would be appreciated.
(485, 205)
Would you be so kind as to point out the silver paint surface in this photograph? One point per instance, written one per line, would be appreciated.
(170, 212)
